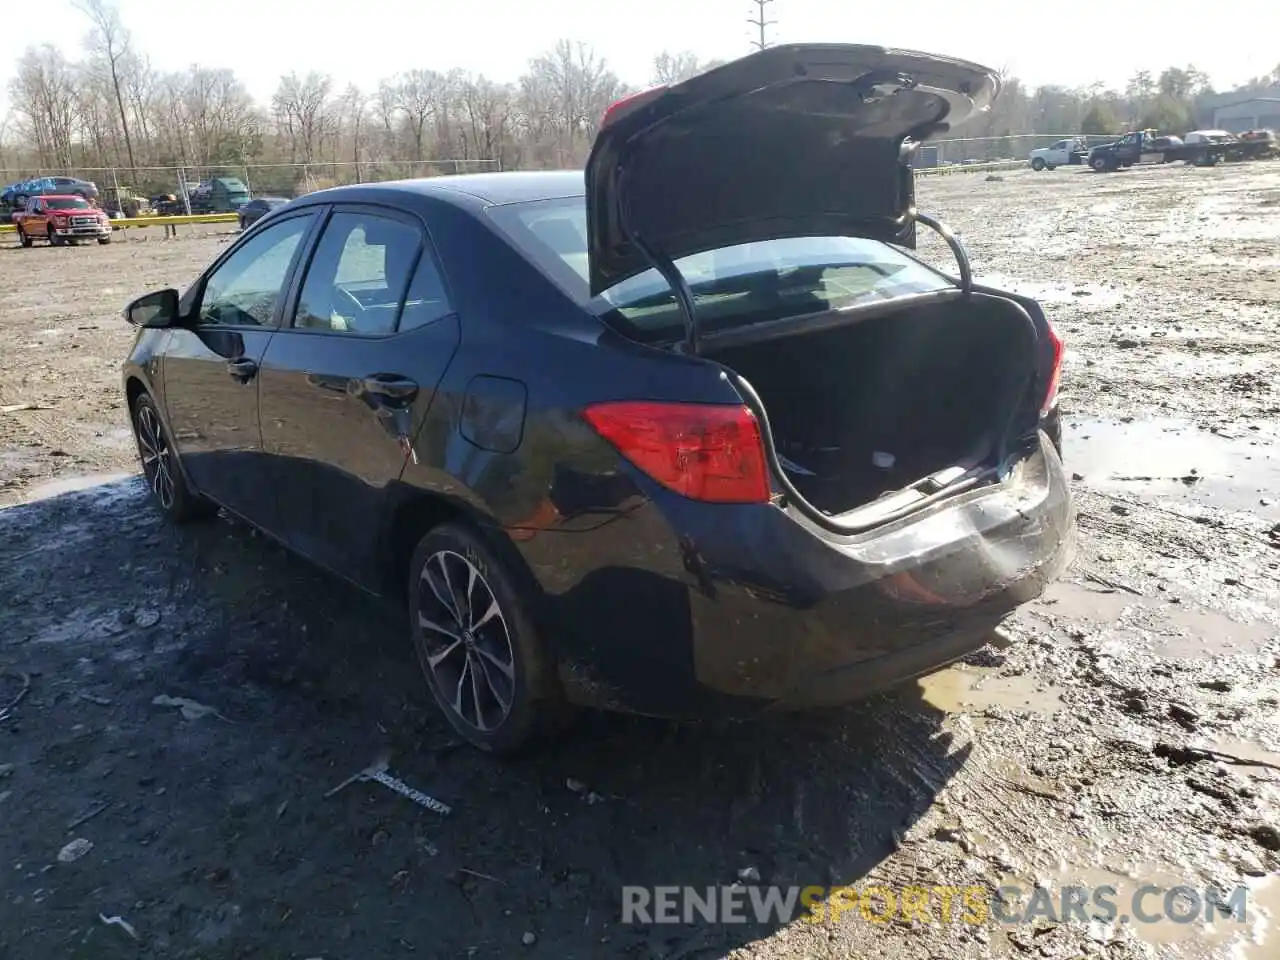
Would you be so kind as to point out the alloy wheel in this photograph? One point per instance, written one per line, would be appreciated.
(465, 642)
(154, 450)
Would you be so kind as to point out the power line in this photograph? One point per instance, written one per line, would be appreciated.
(760, 23)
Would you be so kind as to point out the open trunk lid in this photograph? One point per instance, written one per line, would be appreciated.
(796, 140)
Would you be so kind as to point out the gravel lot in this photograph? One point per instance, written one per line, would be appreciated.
(1131, 736)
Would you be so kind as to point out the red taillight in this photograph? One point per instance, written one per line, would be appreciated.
(1055, 372)
(627, 104)
(702, 451)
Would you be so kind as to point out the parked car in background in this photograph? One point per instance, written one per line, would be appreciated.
(122, 202)
(61, 220)
(219, 195)
(1060, 154)
(814, 468)
(16, 194)
(256, 209)
(1137, 146)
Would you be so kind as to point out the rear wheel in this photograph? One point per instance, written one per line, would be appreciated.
(161, 469)
(481, 655)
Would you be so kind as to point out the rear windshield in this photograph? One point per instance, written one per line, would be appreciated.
(66, 203)
(733, 286)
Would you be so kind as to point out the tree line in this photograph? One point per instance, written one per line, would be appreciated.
(111, 108)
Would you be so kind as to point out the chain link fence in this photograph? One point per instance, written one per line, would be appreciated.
(231, 183)
(1004, 149)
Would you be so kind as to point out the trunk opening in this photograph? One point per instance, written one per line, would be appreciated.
(862, 411)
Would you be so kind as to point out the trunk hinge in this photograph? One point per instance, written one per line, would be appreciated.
(957, 249)
(679, 288)
(665, 266)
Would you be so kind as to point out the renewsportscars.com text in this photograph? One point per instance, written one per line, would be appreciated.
(974, 905)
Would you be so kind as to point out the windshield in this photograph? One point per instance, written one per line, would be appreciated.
(732, 286)
(66, 203)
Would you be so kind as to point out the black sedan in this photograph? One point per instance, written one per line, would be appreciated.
(691, 435)
(256, 209)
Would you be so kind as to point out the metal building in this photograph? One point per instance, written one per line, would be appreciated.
(1256, 113)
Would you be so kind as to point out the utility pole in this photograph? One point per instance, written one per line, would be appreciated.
(760, 23)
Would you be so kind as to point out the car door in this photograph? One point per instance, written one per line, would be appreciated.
(210, 368)
(1060, 153)
(36, 222)
(345, 385)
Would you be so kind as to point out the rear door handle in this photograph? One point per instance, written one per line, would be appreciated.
(390, 387)
(242, 369)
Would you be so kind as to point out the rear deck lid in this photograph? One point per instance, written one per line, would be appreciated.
(796, 140)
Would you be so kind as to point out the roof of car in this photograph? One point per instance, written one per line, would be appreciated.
(490, 188)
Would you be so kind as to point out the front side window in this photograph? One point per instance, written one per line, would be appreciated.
(247, 287)
(357, 278)
(732, 286)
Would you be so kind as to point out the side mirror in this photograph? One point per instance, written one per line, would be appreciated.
(156, 309)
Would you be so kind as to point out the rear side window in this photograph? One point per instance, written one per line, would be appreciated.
(426, 300)
(358, 276)
(732, 286)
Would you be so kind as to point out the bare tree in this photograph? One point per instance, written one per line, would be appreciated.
(110, 40)
(566, 92)
(44, 97)
(672, 68)
(418, 95)
(488, 112)
(354, 111)
(302, 112)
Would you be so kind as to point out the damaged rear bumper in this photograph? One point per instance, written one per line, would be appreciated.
(682, 611)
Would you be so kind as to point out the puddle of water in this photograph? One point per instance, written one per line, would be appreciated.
(56, 488)
(1146, 624)
(1173, 459)
(962, 689)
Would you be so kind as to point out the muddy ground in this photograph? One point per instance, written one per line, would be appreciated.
(1083, 754)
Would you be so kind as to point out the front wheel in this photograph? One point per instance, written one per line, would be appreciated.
(1099, 164)
(1050, 166)
(23, 238)
(482, 657)
(1037, 164)
(161, 469)
(106, 239)
(54, 239)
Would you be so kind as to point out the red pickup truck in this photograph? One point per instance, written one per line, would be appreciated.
(61, 219)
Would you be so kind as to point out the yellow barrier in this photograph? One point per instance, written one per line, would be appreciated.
(157, 221)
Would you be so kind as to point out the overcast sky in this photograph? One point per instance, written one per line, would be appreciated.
(1069, 42)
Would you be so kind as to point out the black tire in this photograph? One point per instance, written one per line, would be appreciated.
(161, 469)
(1100, 164)
(106, 239)
(54, 239)
(1037, 164)
(23, 238)
(515, 698)
(1050, 166)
